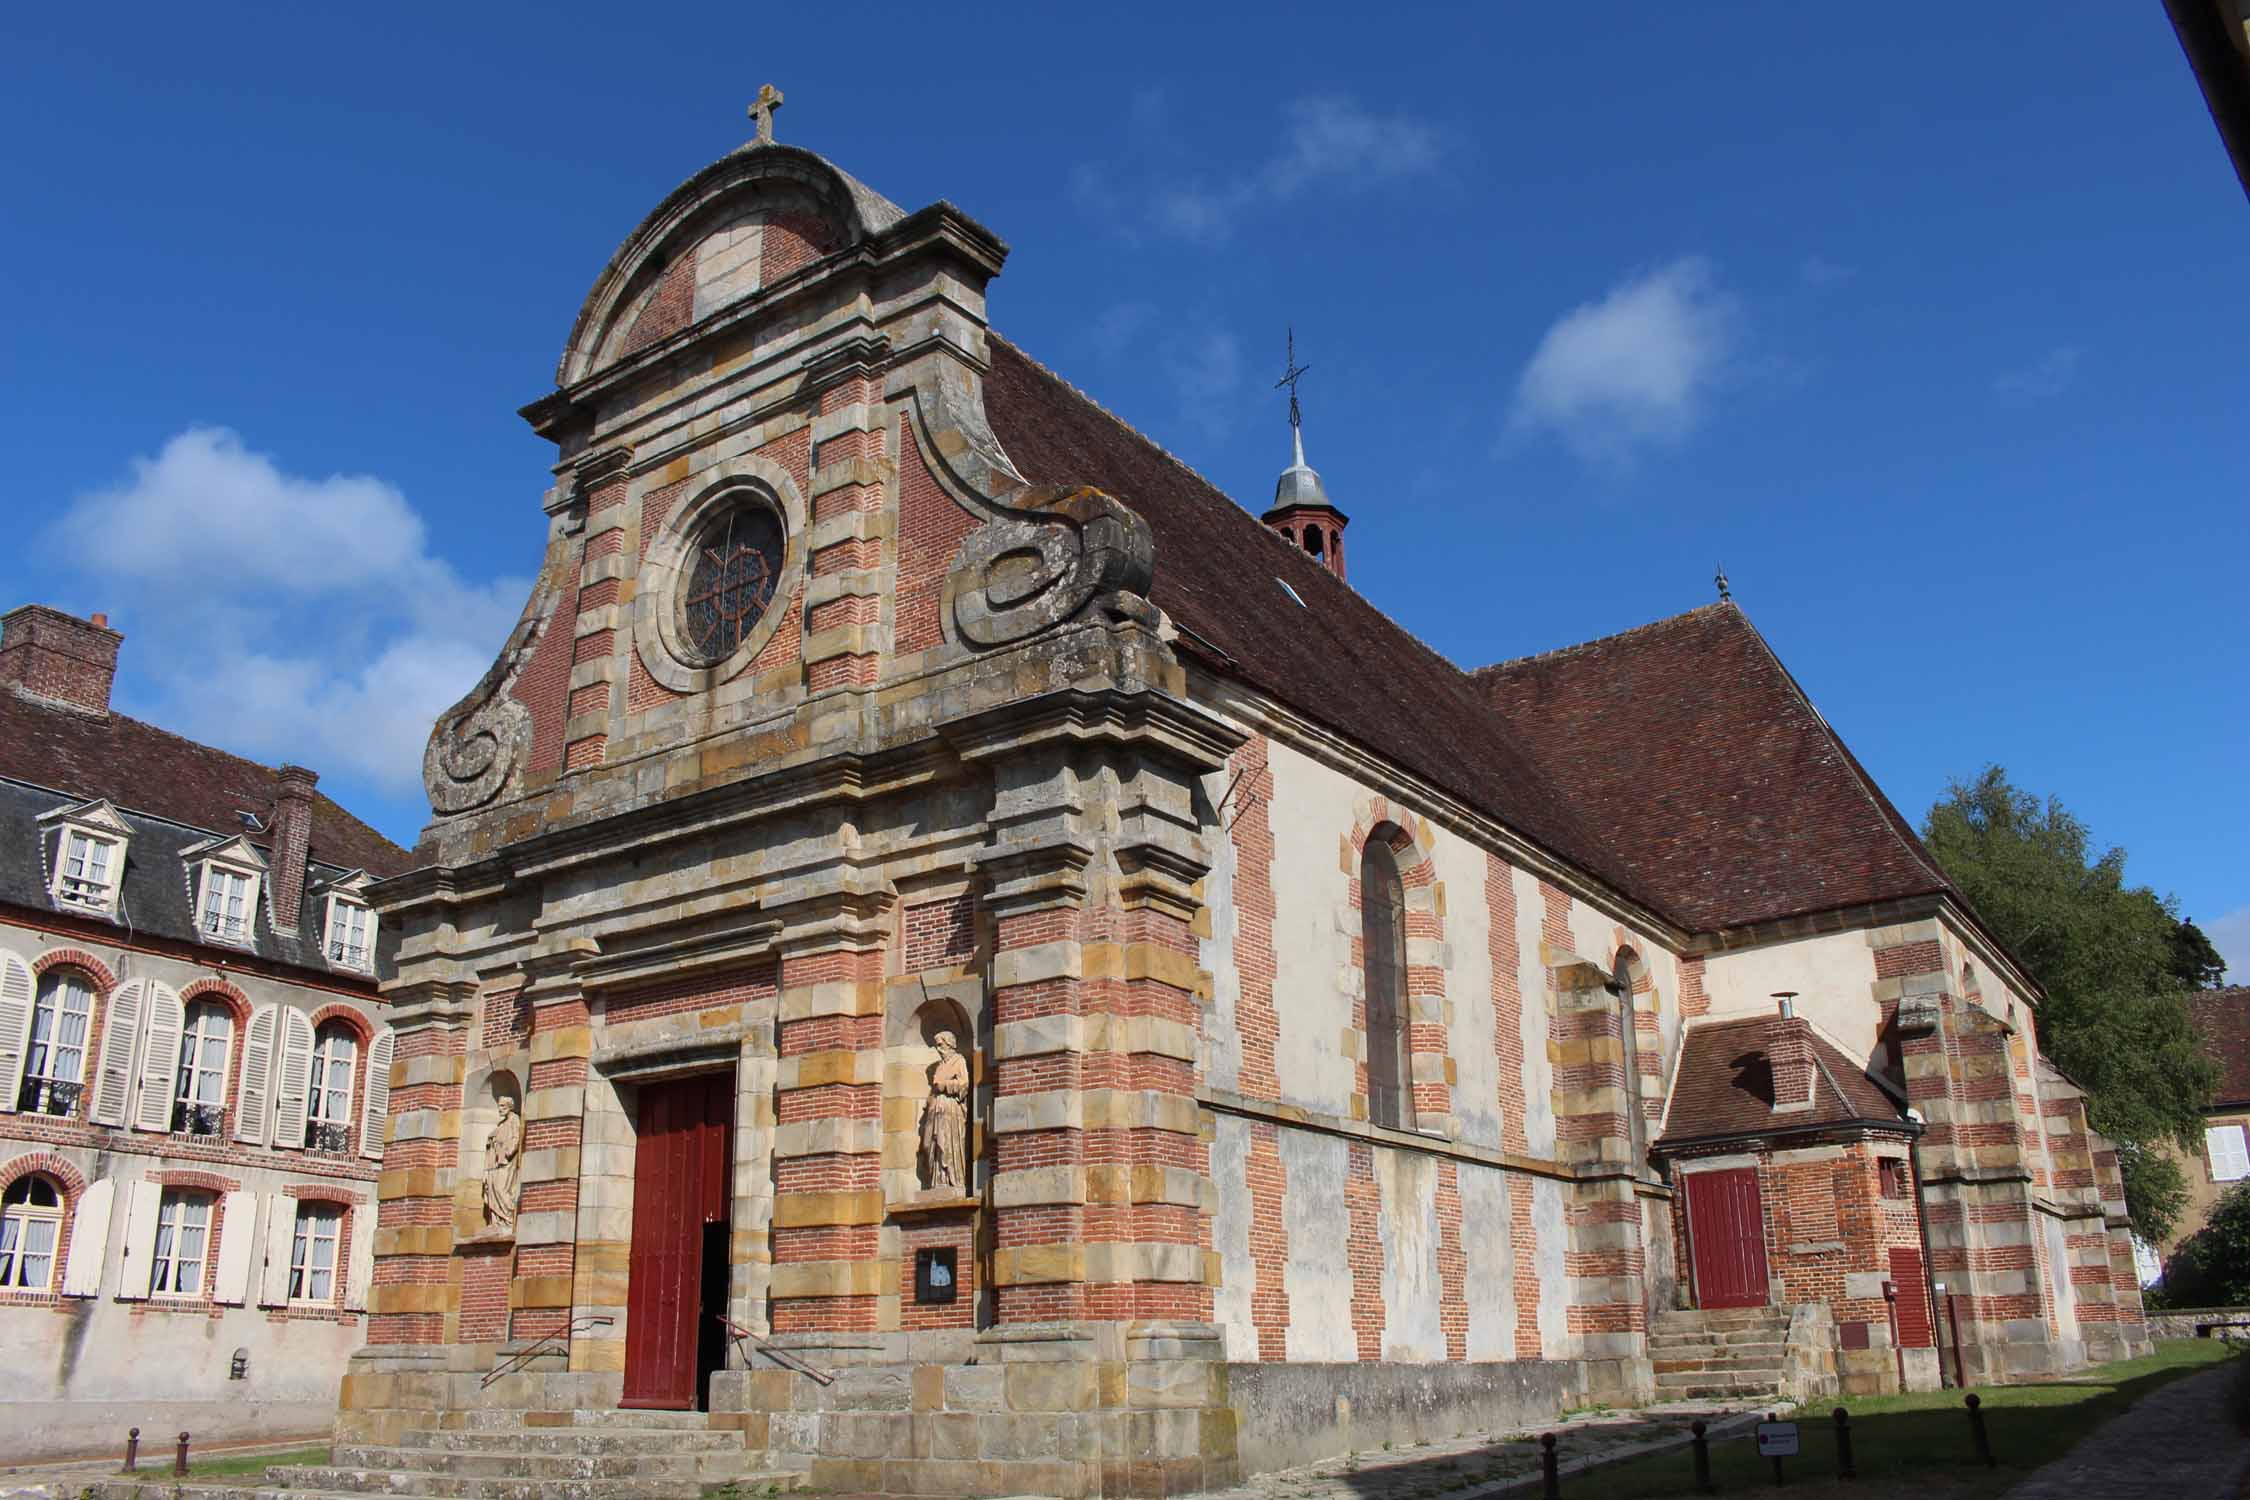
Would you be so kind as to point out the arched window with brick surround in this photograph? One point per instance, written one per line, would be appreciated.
(328, 1114)
(1382, 925)
(1621, 983)
(54, 1067)
(31, 1218)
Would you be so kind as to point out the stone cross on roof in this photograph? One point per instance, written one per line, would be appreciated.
(761, 109)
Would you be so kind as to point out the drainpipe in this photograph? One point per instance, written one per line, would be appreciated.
(1929, 1268)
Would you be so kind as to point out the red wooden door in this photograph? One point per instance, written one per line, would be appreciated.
(1726, 1224)
(680, 1171)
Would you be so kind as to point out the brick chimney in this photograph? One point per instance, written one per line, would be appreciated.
(1789, 1050)
(45, 653)
(292, 842)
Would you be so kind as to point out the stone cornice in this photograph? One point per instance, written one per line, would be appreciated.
(1144, 719)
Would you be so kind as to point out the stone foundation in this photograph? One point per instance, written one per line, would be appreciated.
(1290, 1414)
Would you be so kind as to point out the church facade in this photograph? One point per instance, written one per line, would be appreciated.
(954, 948)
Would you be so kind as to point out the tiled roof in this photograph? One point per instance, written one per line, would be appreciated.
(1724, 1084)
(1334, 658)
(2222, 1018)
(144, 769)
(1677, 762)
(1727, 797)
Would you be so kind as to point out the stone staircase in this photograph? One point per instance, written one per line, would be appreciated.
(1720, 1353)
(514, 1455)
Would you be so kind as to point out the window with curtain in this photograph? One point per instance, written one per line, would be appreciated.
(351, 926)
(30, 1228)
(200, 1100)
(54, 1061)
(312, 1254)
(183, 1229)
(328, 1112)
(88, 875)
(1382, 897)
(226, 903)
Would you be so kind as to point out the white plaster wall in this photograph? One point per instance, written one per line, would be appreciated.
(1312, 812)
(1408, 1231)
(2056, 1269)
(1491, 1280)
(1222, 1041)
(1230, 1237)
(1833, 975)
(1460, 868)
(1551, 1226)
(1320, 1275)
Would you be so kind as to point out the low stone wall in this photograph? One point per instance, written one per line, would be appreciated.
(57, 1431)
(2181, 1322)
(1808, 1371)
(1290, 1414)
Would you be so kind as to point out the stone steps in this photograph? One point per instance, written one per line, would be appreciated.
(1719, 1354)
(1733, 1343)
(547, 1421)
(337, 1479)
(589, 1441)
(497, 1463)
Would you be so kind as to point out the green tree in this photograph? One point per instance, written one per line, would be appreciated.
(2211, 1268)
(2105, 953)
(2194, 960)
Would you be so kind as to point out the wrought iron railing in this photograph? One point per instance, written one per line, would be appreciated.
(49, 1096)
(328, 1140)
(780, 1357)
(529, 1352)
(198, 1119)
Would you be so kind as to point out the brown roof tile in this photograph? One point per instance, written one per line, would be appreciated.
(2222, 1018)
(1724, 1084)
(145, 769)
(1727, 796)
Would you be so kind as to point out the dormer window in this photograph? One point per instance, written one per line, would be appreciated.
(227, 910)
(351, 934)
(86, 857)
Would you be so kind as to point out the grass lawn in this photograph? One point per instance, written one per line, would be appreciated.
(1919, 1444)
(156, 1463)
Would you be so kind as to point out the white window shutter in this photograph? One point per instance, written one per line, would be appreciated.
(360, 1272)
(139, 1264)
(281, 1229)
(2230, 1159)
(160, 1057)
(292, 1079)
(238, 1242)
(17, 990)
(375, 1110)
(253, 1108)
(89, 1240)
(121, 1028)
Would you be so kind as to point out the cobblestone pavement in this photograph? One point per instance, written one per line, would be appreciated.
(2183, 1442)
(1492, 1464)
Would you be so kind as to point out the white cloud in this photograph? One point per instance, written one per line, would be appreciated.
(2049, 375)
(283, 616)
(1327, 141)
(1635, 370)
(2230, 934)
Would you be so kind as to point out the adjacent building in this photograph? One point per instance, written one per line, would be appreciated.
(2222, 1020)
(950, 946)
(194, 1069)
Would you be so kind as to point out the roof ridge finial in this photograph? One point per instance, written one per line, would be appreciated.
(1726, 591)
(1291, 373)
(762, 108)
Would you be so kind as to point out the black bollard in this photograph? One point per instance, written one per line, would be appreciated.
(179, 1459)
(132, 1450)
(1845, 1469)
(1550, 1481)
(1702, 1461)
(1976, 1430)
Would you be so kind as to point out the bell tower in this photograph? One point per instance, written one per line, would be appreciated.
(1301, 509)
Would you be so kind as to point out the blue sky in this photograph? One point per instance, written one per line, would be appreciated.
(1927, 321)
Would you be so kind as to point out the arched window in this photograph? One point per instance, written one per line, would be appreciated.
(30, 1228)
(328, 1113)
(1382, 925)
(200, 1101)
(54, 1062)
(1621, 981)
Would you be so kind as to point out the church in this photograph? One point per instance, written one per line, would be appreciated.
(954, 954)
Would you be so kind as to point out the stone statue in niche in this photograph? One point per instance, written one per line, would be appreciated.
(945, 1120)
(503, 1168)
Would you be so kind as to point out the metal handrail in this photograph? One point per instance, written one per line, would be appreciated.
(780, 1357)
(522, 1357)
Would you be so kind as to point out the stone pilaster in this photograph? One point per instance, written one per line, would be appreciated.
(598, 485)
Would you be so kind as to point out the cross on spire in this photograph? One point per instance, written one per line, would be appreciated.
(761, 109)
(1291, 373)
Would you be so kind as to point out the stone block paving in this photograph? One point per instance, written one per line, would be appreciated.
(1495, 1464)
(2183, 1442)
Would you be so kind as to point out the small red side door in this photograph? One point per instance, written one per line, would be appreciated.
(679, 1185)
(1727, 1227)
